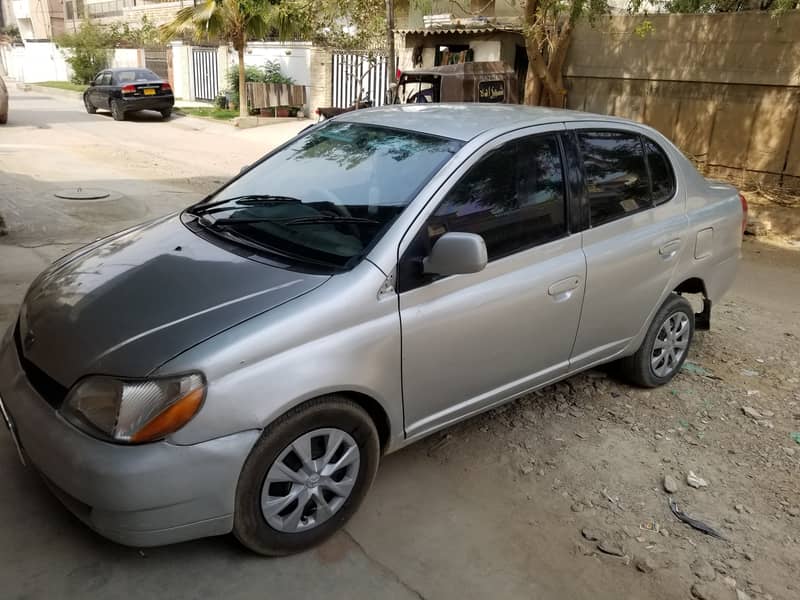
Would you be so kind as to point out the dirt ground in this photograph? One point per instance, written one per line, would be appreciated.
(560, 494)
(596, 452)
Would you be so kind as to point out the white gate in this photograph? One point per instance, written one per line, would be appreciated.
(358, 73)
(205, 73)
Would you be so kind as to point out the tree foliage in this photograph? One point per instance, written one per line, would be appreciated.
(724, 6)
(88, 50)
(236, 22)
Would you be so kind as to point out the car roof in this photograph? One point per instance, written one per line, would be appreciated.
(118, 69)
(464, 121)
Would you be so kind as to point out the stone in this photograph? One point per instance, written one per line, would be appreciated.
(703, 571)
(670, 484)
(793, 511)
(740, 595)
(695, 481)
(577, 507)
(713, 591)
(583, 549)
(590, 534)
(729, 581)
(733, 564)
(645, 565)
(526, 468)
(611, 548)
(752, 412)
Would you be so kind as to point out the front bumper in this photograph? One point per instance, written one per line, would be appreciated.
(146, 495)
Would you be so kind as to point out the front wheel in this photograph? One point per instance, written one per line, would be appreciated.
(116, 111)
(665, 346)
(306, 476)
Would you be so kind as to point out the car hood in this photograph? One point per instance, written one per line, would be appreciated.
(129, 303)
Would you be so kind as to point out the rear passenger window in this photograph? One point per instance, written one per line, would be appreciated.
(661, 173)
(513, 198)
(616, 174)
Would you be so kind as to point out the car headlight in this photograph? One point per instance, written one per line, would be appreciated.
(134, 411)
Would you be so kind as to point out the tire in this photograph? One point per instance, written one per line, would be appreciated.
(321, 421)
(90, 108)
(116, 111)
(672, 328)
(166, 113)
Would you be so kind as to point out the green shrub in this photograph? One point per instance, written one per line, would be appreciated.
(269, 73)
(86, 51)
(272, 73)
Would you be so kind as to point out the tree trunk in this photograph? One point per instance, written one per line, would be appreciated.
(390, 54)
(242, 82)
(532, 94)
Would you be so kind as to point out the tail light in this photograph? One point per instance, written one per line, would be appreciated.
(128, 89)
(744, 212)
(165, 87)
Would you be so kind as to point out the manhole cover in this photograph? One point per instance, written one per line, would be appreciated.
(82, 194)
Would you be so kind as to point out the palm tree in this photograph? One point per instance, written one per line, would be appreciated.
(236, 22)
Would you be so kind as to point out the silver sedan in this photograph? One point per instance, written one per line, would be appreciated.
(243, 365)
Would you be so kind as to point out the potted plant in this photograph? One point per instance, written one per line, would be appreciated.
(282, 111)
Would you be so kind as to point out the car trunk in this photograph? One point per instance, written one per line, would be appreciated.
(146, 89)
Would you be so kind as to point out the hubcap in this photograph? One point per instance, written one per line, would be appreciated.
(310, 480)
(670, 344)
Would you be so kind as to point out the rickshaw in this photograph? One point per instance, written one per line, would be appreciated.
(462, 82)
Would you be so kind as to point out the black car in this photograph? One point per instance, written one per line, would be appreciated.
(124, 90)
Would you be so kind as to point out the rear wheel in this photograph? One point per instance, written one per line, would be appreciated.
(90, 108)
(306, 476)
(116, 111)
(165, 113)
(665, 346)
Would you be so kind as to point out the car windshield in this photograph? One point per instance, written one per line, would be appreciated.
(328, 196)
(136, 75)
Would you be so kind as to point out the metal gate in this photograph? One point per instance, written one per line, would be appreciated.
(205, 74)
(157, 60)
(354, 73)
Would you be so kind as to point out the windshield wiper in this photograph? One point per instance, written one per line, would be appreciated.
(293, 221)
(246, 200)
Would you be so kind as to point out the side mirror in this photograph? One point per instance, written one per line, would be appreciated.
(91, 83)
(456, 253)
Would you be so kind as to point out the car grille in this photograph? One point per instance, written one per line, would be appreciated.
(48, 388)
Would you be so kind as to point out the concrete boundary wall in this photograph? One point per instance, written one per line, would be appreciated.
(724, 88)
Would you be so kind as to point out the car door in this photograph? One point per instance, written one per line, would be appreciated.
(94, 96)
(104, 90)
(635, 234)
(470, 341)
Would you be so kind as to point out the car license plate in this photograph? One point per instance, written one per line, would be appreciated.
(13, 430)
(149, 92)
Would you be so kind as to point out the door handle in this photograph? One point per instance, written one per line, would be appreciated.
(563, 289)
(669, 249)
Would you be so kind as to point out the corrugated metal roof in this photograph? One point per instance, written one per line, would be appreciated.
(450, 29)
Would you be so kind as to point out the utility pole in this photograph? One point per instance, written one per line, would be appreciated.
(391, 65)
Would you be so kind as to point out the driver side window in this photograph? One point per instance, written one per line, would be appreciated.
(99, 79)
(514, 198)
(106, 78)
